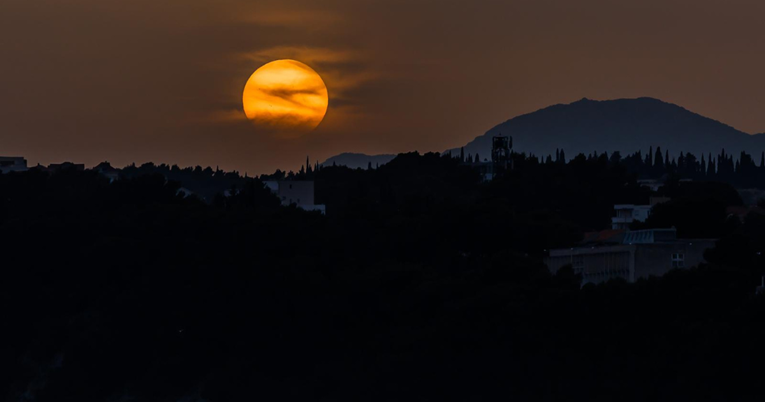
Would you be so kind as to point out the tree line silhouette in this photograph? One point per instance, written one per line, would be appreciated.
(741, 171)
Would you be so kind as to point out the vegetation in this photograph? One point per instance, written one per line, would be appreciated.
(420, 283)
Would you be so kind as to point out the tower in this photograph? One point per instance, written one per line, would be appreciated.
(500, 152)
(500, 156)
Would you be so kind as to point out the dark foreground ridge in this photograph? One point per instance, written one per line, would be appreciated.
(420, 283)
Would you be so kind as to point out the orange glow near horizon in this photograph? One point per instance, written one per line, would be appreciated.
(285, 94)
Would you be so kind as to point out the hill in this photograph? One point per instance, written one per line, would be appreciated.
(585, 126)
(356, 160)
(625, 125)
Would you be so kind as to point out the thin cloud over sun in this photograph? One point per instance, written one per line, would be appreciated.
(344, 72)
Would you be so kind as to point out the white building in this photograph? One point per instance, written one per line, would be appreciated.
(12, 164)
(293, 192)
(628, 213)
(629, 255)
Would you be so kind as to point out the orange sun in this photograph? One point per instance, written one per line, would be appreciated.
(285, 95)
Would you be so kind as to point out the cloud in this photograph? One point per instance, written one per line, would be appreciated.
(347, 73)
(307, 55)
(314, 18)
(293, 95)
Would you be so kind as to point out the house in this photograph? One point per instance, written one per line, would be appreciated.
(626, 214)
(12, 164)
(629, 255)
(295, 192)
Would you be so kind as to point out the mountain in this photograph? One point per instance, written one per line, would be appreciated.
(354, 161)
(625, 125)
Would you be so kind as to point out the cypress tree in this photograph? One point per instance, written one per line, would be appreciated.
(658, 161)
(703, 169)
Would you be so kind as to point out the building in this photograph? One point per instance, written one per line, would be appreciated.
(12, 164)
(629, 255)
(296, 192)
(628, 213)
(501, 159)
(58, 167)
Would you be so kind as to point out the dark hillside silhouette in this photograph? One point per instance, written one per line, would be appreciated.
(355, 160)
(624, 125)
(421, 283)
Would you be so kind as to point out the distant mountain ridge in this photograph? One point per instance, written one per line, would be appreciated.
(624, 125)
(356, 160)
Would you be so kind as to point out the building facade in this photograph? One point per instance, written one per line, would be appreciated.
(629, 255)
(12, 164)
(294, 192)
(628, 213)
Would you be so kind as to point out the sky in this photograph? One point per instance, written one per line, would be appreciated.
(145, 80)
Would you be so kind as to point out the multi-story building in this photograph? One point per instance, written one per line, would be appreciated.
(629, 255)
(12, 164)
(628, 213)
(299, 193)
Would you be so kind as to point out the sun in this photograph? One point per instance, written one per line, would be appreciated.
(285, 95)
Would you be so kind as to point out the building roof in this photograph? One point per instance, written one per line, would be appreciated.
(650, 236)
(604, 236)
(622, 236)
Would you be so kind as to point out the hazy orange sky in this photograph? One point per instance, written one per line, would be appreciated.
(148, 80)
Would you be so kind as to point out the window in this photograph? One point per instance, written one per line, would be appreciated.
(678, 260)
(577, 263)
